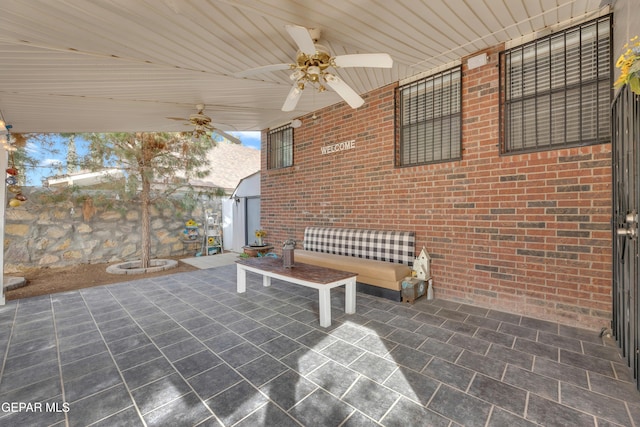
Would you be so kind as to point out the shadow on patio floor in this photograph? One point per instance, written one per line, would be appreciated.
(186, 349)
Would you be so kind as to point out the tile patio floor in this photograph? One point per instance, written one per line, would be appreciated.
(186, 350)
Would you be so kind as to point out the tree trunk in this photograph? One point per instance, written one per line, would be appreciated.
(145, 238)
(145, 196)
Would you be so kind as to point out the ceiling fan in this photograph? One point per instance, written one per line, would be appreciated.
(313, 61)
(202, 123)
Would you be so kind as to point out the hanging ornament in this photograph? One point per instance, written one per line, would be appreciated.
(12, 171)
(12, 185)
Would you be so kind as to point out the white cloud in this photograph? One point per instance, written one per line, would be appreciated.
(50, 163)
(248, 138)
(31, 147)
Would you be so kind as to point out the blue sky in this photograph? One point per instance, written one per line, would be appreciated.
(49, 162)
(250, 139)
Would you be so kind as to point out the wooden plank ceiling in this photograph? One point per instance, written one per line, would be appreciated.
(127, 65)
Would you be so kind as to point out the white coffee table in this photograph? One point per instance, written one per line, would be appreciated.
(321, 278)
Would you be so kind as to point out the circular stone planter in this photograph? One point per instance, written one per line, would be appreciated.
(133, 267)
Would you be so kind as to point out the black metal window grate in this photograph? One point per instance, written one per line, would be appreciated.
(430, 119)
(280, 147)
(556, 91)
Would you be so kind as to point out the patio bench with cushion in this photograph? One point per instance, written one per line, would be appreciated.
(381, 259)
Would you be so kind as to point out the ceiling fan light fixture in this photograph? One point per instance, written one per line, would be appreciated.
(312, 62)
(313, 70)
(297, 75)
(321, 54)
(202, 127)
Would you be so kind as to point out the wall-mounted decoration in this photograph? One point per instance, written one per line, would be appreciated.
(340, 146)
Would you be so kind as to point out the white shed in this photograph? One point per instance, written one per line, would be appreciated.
(242, 213)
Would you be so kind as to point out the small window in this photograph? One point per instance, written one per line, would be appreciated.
(556, 91)
(280, 147)
(430, 119)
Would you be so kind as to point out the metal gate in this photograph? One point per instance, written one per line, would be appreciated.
(625, 163)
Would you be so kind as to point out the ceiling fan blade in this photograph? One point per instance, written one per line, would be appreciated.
(292, 98)
(227, 136)
(263, 69)
(182, 119)
(378, 60)
(302, 38)
(344, 90)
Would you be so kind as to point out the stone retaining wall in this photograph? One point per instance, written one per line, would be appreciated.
(45, 232)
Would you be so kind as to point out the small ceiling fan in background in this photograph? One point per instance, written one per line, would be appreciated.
(311, 67)
(202, 123)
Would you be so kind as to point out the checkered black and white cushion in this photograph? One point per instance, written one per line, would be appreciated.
(392, 246)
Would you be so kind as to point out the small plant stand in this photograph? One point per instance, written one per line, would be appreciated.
(212, 236)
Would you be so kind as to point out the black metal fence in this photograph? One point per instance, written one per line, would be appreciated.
(625, 124)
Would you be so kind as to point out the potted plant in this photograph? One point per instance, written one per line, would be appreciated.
(259, 235)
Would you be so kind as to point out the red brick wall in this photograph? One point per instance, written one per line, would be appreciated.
(527, 233)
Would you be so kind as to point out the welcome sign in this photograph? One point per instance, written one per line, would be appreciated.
(340, 146)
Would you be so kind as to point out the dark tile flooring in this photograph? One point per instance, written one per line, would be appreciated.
(186, 350)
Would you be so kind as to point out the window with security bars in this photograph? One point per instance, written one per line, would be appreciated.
(280, 147)
(430, 119)
(556, 91)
